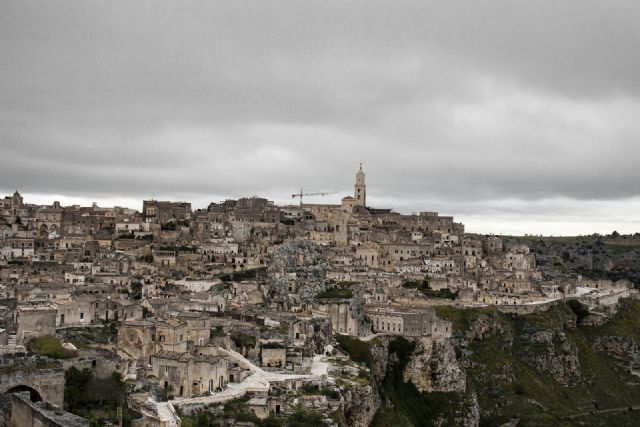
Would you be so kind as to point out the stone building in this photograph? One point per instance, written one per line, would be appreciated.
(171, 334)
(184, 374)
(198, 327)
(136, 340)
(405, 321)
(493, 245)
(343, 319)
(163, 211)
(360, 189)
(49, 219)
(165, 258)
(273, 353)
(35, 321)
(13, 207)
(255, 209)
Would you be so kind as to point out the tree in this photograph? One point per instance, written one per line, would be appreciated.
(108, 390)
(580, 310)
(136, 289)
(77, 385)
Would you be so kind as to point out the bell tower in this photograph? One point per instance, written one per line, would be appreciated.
(360, 190)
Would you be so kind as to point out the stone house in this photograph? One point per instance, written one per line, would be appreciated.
(198, 327)
(171, 335)
(186, 375)
(35, 321)
(273, 353)
(136, 340)
(409, 322)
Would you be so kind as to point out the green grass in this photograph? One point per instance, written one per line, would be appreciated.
(625, 323)
(86, 338)
(461, 319)
(622, 247)
(49, 346)
(506, 386)
(359, 351)
(336, 293)
(605, 384)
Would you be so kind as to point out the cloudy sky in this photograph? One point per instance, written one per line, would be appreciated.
(515, 117)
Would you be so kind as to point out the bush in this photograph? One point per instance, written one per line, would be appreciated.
(83, 391)
(358, 351)
(337, 293)
(304, 418)
(242, 275)
(242, 339)
(49, 346)
(428, 292)
(578, 308)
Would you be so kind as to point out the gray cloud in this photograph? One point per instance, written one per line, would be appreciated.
(462, 106)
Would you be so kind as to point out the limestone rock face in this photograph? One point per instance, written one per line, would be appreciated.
(298, 267)
(594, 320)
(433, 367)
(322, 336)
(380, 353)
(472, 417)
(484, 327)
(550, 352)
(361, 406)
(624, 349)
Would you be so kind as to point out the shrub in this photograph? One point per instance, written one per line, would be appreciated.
(49, 346)
(359, 351)
(578, 308)
(337, 293)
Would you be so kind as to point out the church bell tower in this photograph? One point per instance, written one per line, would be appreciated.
(360, 191)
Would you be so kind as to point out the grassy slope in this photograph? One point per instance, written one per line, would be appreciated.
(534, 398)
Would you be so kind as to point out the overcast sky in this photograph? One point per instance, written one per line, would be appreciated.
(515, 117)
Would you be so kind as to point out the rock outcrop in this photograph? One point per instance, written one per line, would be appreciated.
(471, 417)
(550, 352)
(433, 367)
(297, 273)
(361, 405)
(624, 349)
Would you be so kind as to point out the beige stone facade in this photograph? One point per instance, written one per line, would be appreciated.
(35, 321)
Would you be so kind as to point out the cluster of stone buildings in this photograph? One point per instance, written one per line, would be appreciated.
(271, 284)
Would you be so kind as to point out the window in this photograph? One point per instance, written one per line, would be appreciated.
(81, 316)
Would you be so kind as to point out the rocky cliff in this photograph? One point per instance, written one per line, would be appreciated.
(433, 366)
(504, 369)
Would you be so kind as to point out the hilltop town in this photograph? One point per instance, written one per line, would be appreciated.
(247, 312)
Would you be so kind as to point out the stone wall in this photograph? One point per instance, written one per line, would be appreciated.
(274, 356)
(526, 308)
(35, 322)
(25, 413)
(5, 410)
(49, 383)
